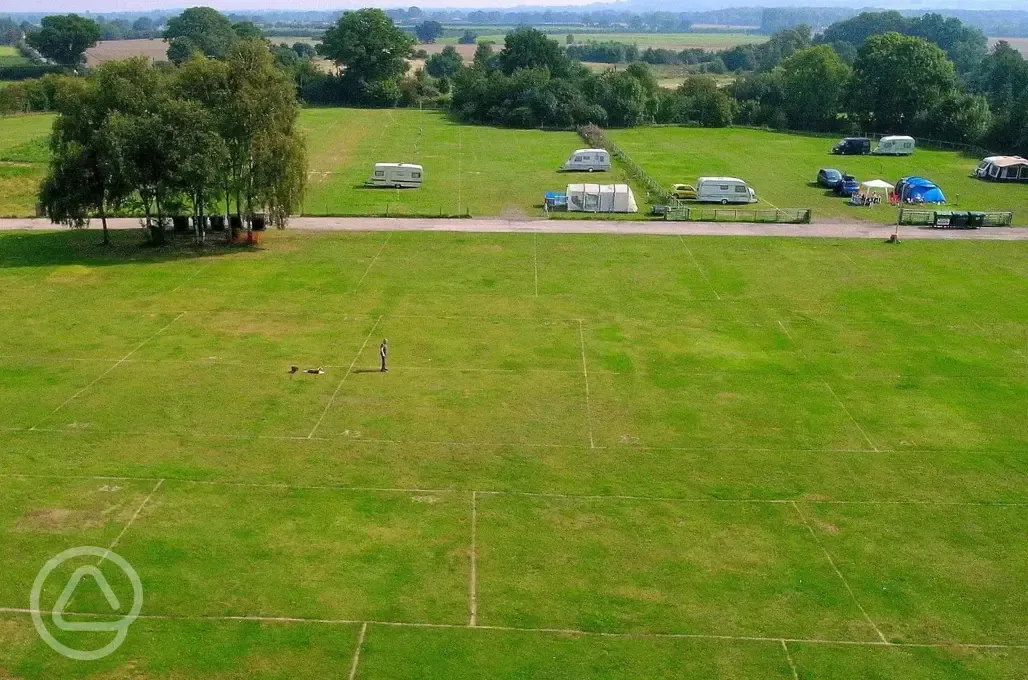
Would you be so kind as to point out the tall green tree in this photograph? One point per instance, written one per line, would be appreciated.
(205, 27)
(10, 32)
(896, 78)
(65, 38)
(446, 64)
(369, 47)
(428, 31)
(88, 174)
(815, 82)
(181, 50)
(527, 48)
(267, 162)
(1002, 76)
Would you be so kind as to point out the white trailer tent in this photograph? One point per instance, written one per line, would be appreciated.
(896, 145)
(1003, 169)
(595, 198)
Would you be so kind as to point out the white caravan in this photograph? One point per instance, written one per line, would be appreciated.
(724, 190)
(397, 176)
(588, 160)
(897, 145)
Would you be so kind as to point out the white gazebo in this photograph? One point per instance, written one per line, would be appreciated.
(876, 186)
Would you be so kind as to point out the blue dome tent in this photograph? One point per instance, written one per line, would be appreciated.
(919, 190)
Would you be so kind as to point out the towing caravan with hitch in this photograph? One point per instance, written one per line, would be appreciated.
(397, 176)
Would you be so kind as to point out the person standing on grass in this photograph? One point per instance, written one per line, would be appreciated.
(383, 352)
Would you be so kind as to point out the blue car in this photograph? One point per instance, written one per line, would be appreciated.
(828, 177)
(847, 186)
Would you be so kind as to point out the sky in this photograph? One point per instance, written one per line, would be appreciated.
(98, 6)
(101, 6)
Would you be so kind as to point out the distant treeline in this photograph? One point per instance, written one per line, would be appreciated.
(964, 45)
(1009, 23)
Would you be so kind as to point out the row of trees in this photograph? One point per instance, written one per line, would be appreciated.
(131, 137)
(896, 83)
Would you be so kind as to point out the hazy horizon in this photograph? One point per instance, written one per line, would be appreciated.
(99, 6)
(111, 6)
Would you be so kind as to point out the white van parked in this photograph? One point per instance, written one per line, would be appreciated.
(897, 145)
(397, 176)
(724, 190)
(588, 160)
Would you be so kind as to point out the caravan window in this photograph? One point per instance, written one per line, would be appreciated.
(415, 175)
(740, 190)
(579, 159)
(380, 173)
(724, 187)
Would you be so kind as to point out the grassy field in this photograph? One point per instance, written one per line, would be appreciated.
(481, 170)
(485, 171)
(603, 457)
(9, 56)
(782, 168)
(23, 158)
(476, 169)
(669, 76)
(671, 41)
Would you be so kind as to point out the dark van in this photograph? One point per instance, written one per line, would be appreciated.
(853, 146)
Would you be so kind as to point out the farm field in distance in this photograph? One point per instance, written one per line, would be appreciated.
(803, 457)
(1020, 44)
(155, 49)
(670, 76)
(782, 169)
(670, 41)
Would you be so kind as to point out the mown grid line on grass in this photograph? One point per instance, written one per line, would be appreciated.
(190, 278)
(345, 376)
(858, 378)
(102, 375)
(526, 494)
(299, 438)
(850, 415)
(132, 520)
(842, 578)
(808, 317)
(700, 269)
(792, 664)
(357, 651)
(745, 501)
(473, 596)
(535, 259)
(372, 263)
(585, 373)
(542, 630)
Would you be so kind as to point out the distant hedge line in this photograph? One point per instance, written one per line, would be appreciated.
(28, 71)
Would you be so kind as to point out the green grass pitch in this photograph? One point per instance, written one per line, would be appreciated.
(23, 158)
(782, 168)
(492, 172)
(593, 456)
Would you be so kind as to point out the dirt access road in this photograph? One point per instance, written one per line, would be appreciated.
(561, 226)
